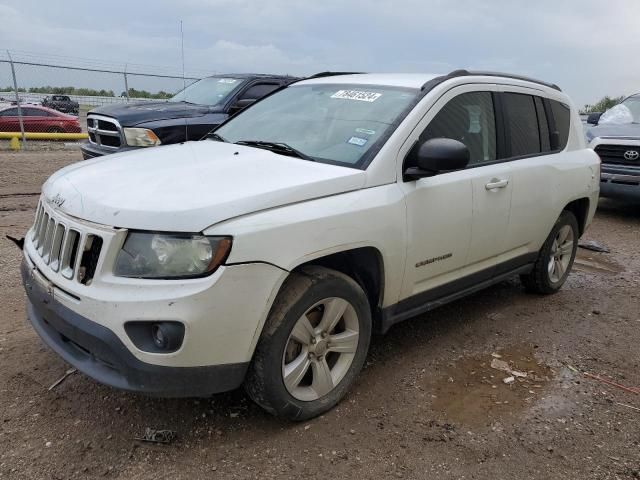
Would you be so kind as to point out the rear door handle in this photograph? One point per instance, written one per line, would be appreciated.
(496, 183)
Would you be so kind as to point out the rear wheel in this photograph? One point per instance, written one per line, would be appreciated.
(55, 130)
(313, 345)
(556, 257)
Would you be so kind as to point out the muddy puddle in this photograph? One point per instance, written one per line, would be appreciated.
(474, 394)
(597, 263)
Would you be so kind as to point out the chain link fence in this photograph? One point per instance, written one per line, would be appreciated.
(52, 95)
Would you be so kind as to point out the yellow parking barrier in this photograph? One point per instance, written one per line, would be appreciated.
(43, 136)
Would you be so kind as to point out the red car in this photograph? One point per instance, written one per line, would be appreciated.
(37, 119)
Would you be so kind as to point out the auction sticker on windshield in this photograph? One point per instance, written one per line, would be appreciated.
(227, 80)
(357, 95)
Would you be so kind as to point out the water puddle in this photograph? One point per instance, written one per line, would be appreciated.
(590, 262)
(473, 393)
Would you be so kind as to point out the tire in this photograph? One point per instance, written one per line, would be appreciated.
(55, 130)
(560, 248)
(308, 300)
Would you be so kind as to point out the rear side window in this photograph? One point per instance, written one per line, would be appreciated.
(523, 135)
(543, 126)
(10, 112)
(562, 117)
(470, 119)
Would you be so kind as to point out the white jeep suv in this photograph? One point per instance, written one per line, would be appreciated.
(268, 254)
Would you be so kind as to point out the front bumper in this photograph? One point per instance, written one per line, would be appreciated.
(90, 150)
(98, 352)
(620, 182)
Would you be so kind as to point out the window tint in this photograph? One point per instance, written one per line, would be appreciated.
(470, 119)
(523, 136)
(543, 126)
(259, 91)
(10, 112)
(562, 117)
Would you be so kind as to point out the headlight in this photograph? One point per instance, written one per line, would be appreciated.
(155, 255)
(141, 137)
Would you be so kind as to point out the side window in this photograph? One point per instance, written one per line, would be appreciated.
(33, 112)
(258, 91)
(10, 112)
(562, 117)
(523, 136)
(543, 126)
(469, 118)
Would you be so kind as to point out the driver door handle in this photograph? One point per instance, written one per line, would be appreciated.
(496, 183)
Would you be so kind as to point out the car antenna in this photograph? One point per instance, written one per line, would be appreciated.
(184, 84)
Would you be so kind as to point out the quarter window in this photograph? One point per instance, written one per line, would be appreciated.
(543, 125)
(562, 117)
(523, 135)
(470, 119)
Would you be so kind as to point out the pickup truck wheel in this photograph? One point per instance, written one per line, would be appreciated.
(313, 344)
(555, 258)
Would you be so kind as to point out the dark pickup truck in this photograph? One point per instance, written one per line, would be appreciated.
(189, 115)
(61, 103)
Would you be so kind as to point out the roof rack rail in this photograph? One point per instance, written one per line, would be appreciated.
(463, 73)
(331, 74)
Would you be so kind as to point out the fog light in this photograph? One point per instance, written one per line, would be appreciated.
(156, 337)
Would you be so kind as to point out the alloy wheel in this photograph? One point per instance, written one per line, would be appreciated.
(320, 349)
(561, 253)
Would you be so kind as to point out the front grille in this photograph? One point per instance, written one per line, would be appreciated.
(104, 131)
(615, 154)
(63, 248)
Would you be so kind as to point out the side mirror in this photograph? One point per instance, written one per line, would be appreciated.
(438, 155)
(594, 118)
(242, 103)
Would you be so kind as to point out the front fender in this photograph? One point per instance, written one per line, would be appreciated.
(295, 234)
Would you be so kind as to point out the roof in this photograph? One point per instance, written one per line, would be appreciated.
(248, 76)
(415, 80)
(408, 80)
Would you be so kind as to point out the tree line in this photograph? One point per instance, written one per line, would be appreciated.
(604, 104)
(91, 92)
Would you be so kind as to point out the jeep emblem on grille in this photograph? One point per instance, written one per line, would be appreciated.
(57, 200)
(631, 155)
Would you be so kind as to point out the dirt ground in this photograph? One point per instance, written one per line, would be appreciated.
(428, 404)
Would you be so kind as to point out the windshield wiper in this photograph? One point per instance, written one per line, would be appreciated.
(276, 147)
(215, 136)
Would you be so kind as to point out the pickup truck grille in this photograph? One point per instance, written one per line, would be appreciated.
(104, 131)
(66, 249)
(619, 154)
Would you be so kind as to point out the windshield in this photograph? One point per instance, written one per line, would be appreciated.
(208, 91)
(626, 112)
(327, 123)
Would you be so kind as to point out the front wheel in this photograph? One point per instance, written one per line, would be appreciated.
(313, 344)
(555, 258)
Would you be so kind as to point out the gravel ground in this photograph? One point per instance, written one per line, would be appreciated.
(428, 404)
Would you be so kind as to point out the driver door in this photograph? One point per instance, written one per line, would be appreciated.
(457, 221)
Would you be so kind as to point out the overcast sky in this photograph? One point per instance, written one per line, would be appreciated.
(589, 47)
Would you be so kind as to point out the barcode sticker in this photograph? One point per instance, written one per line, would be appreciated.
(357, 95)
(227, 80)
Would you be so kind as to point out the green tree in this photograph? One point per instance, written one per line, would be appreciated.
(603, 105)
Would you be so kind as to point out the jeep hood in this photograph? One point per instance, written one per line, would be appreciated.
(189, 187)
(131, 114)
